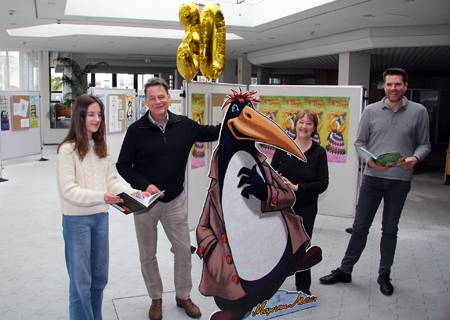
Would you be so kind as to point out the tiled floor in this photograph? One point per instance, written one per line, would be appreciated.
(34, 282)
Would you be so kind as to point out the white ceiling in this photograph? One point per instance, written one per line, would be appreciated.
(413, 34)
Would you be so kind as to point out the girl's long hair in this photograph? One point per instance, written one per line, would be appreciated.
(77, 130)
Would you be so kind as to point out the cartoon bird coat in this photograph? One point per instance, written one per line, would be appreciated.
(248, 236)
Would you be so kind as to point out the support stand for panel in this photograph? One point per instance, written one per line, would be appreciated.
(1, 165)
(41, 134)
(42, 156)
(361, 164)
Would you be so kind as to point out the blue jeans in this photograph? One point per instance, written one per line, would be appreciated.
(87, 259)
(394, 193)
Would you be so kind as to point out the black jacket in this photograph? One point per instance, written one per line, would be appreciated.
(150, 156)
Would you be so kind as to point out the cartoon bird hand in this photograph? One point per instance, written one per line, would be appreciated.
(257, 186)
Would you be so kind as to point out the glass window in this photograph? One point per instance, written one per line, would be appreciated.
(125, 81)
(103, 80)
(56, 86)
(14, 70)
(142, 80)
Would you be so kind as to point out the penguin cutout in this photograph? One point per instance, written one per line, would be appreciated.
(248, 236)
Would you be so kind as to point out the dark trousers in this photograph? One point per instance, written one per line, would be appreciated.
(394, 193)
(308, 214)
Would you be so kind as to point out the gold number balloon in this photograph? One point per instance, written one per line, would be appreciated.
(188, 50)
(212, 46)
(203, 45)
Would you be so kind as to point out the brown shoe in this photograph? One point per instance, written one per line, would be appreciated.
(155, 312)
(191, 308)
(312, 257)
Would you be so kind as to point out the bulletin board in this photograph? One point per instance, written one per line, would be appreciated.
(20, 132)
(116, 136)
(20, 112)
(335, 106)
(116, 113)
(176, 105)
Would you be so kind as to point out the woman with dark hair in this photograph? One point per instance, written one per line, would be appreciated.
(307, 180)
(87, 184)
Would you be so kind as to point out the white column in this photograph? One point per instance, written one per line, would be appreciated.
(244, 73)
(354, 69)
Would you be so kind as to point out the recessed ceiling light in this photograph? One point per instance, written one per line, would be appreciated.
(13, 24)
(50, 3)
(271, 38)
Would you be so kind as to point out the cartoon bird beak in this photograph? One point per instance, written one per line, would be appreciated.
(254, 126)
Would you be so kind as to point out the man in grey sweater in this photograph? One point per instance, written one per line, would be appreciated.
(392, 124)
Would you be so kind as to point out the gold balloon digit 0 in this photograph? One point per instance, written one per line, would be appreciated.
(188, 50)
(212, 46)
(203, 46)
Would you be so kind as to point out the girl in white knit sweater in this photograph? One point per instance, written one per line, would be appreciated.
(87, 184)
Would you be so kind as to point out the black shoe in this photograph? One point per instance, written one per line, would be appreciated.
(386, 287)
(336, 276)
(349, 230)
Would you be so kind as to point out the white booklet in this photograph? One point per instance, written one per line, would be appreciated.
(135, 201)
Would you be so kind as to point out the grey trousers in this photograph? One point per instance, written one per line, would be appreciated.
(174, 219)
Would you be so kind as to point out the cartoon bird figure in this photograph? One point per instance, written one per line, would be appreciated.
(248, 236)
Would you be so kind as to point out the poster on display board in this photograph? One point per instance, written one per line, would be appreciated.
(116, 113)
(198, 110)
(5, 112)
(20, 112)
(34, 102)
(130, 114)
(338, 109)
(333, 114)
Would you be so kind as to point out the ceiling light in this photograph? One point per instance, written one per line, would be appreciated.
(11, 12)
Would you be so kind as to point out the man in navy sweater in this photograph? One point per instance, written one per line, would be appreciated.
(153, 157)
